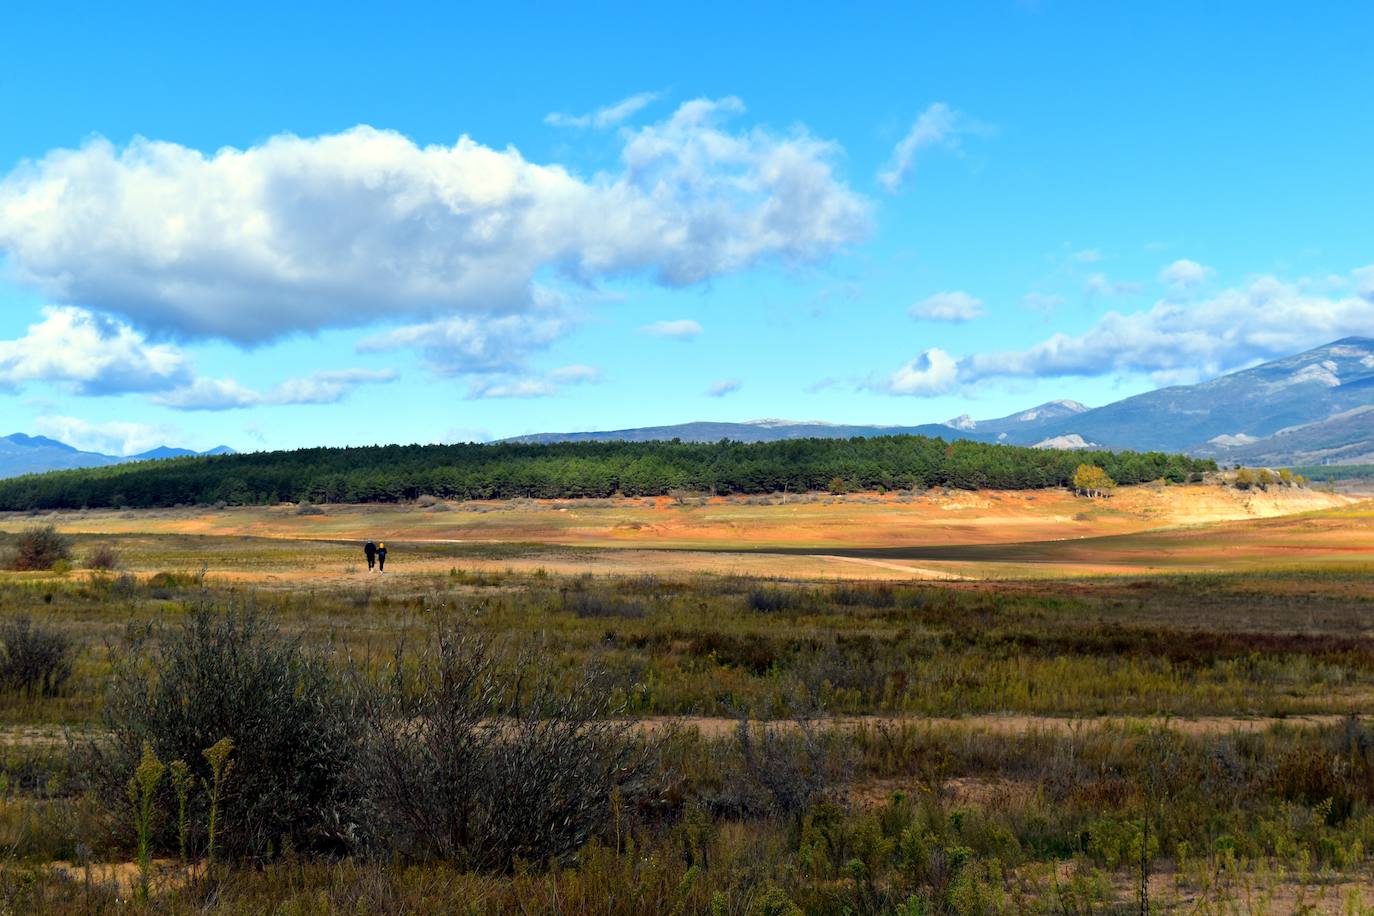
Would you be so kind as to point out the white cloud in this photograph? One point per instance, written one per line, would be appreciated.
(1086, 256)
(112, 438)
(574, 375)
(1171, 342)
(956, 306)
(722, 387)
(94, 355)
(464, 434)
(513, 388)
(678, 329)
(1364, 281)
(210, 394)
(1184, 274)
(933, 372)
(1184, 375)
(607, 116)
(228, 394)
(327, 387)
(823, 384)
(1099, 284)
(1264, 319)
(479, 345)
(1042, 302)
(938, 125)
(298, 234)
(547, 385)
(90, 353)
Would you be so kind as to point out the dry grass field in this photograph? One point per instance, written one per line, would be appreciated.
(942, 703)
(939, 535)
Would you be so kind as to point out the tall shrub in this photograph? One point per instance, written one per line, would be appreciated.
(293, 719)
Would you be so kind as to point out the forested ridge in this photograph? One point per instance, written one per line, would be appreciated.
(394, 473)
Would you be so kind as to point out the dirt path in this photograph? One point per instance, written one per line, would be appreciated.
(996, 724)
(917, 572)
(1011, 725)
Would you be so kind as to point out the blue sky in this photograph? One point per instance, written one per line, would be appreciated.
(346, 224)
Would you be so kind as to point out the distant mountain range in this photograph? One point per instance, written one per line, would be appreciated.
(21, 454)
(1312, 408)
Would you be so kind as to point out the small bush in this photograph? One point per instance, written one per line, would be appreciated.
(873, 596)
(308, 509)
(40, 547)
(427, 500)
(771, 600)
(167, 585)
(776, 770)
(125, 586)
(294, 721)
(535, 788)
(35, 660)
(103, 556)
(594, 604)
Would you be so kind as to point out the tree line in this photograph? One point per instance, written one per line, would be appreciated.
(398, 473)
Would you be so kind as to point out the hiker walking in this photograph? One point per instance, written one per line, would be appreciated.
(370, 551)
(381, 558)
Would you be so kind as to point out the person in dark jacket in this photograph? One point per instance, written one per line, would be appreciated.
(381, 558)
(370, 551)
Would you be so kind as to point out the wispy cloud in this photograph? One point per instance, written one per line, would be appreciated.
(1042, 302)
(574, 375)
(722, 387)
(461, 434)
(678, 329)
(606, 116)
(228, 394)
(1099, 284)
(513, 388)
(114, 437)
(937, 126)
(1364, 281)
(462, 345)
(534, 386)
(955, 306)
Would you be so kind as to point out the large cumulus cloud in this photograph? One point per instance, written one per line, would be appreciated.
(348, 229)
